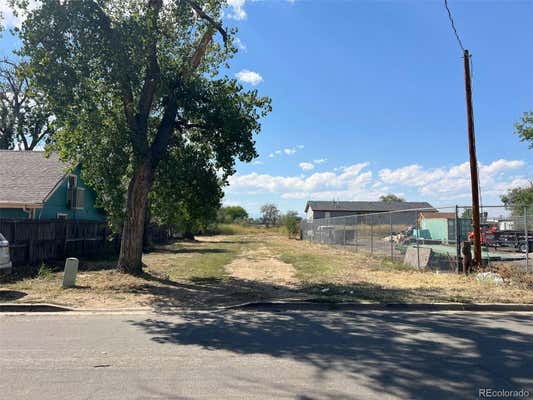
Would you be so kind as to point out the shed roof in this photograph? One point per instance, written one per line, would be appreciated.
(366, 206)
(437, 215)
(28, 177)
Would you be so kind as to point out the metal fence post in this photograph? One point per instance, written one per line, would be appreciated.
(457, 240)
(390, 238)
(526, 232)
(418, 239)
(344, 233)
(355, 234)
(371, 238)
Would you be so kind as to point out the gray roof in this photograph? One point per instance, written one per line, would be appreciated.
(366, 206)
(27, 177)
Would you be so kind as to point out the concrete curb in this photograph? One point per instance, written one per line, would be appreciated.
(298, 305)
(325, 306)
(32, 307)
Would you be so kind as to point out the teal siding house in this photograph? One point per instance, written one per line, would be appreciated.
(33, 186)
(441, 226)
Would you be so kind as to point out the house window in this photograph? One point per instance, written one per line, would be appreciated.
(72, 182)
(80, 199)
(62, 216)
(328, 214)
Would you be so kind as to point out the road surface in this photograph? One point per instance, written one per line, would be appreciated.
(263, 355)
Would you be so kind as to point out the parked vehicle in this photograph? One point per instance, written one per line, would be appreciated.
(5, 260)
(492, 237)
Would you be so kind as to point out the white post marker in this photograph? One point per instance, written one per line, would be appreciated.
(71, 270)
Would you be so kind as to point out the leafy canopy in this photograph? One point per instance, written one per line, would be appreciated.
(25, 120)
(134, 81)
(524, 128)
(231, 214)
(270, 214)
(389, 198)
(518, 198)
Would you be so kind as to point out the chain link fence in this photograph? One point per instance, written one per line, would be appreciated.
(431, 237)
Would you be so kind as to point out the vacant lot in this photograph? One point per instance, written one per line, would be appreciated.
(231, 269)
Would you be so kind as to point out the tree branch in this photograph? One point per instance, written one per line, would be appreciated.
(123, 79)
(152, 75)
(198, 10)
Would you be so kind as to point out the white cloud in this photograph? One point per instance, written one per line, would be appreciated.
(320, 161)
(250, 77)
(239, 44)
(258, 162)
(237, 10)
(306, 166)
(289, 152)
(300, 146)
(350, 183)
(441, 186)
(454, 181)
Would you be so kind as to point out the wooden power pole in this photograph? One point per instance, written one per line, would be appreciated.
(473, 161)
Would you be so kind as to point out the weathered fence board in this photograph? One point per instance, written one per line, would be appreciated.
(34, 241)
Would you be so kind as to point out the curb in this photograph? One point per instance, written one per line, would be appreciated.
(323, 306)
(32, 307)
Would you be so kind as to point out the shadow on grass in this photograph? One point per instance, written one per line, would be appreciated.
(189, 250)
(400, 355)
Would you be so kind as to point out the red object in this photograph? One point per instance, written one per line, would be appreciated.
(484, 231)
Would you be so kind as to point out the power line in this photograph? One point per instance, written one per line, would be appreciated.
(450, 17)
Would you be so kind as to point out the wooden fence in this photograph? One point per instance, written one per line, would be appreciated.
(34, 241)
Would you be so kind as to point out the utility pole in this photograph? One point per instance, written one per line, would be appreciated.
(473, 162)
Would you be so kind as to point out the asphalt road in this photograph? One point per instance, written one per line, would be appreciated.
(262, 355)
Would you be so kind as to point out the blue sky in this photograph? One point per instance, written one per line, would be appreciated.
(368, 99)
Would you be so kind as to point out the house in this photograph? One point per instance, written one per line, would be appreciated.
(33, 186)
(329, 209)
(441, 226)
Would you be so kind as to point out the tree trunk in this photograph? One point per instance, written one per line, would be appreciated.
(131, 246)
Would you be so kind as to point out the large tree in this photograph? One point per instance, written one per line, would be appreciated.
(231, 214)
(389, 198)
(130, 81)
(25, 120)
(270, 214)
(524, 128)
(518, 198)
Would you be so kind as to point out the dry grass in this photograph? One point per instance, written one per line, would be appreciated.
(221, 270)
(345, 275)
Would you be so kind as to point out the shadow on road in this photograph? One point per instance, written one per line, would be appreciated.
(409, 355)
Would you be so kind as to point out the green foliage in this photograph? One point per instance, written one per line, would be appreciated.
(187, 192)
(389, 198)
(270, 214)
(136, 83)
(45, 271)
(230, 214)
(291, 222)
(25, 120)
(518, 198)
(467, 213)
(524, 128)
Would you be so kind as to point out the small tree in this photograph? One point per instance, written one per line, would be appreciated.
(232, 214)
(524, 128)
(518, 198)
(270, 214)
(291, 222)
(389, 198)
(467, 213)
